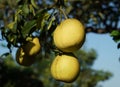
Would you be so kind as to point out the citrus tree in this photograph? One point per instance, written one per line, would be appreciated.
(39, 29)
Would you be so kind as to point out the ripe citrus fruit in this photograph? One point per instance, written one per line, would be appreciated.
(65, 68)
(23, 59)
(32, 47)
(69, 36)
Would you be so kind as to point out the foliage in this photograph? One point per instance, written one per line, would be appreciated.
(24, 18)
(15, 76)
(116, 37)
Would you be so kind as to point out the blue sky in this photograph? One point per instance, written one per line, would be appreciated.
(108, 57)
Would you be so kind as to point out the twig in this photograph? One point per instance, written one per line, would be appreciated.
(63, 13)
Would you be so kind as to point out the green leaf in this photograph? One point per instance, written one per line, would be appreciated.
(12, 26)
(34, 4)
(27, 27)
(25, 9)
(17, 15)
(42, 19)
(50, 23)
(32, 10)
(115, 33)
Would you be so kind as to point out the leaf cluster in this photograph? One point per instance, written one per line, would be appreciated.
(27, 21)
(116, 37)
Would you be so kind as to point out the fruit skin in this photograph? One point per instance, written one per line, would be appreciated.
(26, 54)
(32, 47)
(65, 68)
(23, 59)
(69, 36)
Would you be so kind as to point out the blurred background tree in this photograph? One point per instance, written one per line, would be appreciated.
(20, 19)
(38, 75)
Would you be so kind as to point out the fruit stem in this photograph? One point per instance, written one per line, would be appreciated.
(63, 13)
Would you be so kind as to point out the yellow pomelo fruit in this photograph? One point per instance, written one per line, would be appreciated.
(65, 68)
(23, 59)
(32, 47)
(69, 36)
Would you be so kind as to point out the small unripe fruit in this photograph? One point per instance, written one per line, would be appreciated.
(32, 47)
(23, 59)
